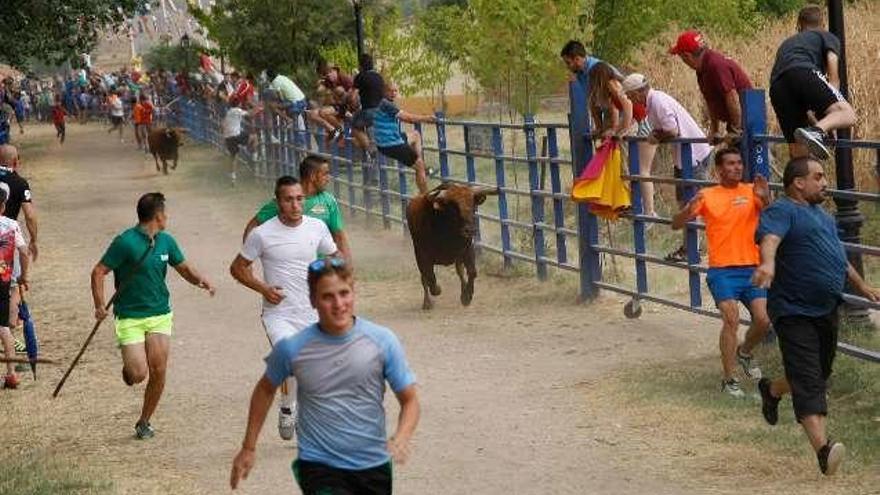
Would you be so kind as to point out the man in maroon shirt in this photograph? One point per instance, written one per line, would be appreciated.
(720, 79)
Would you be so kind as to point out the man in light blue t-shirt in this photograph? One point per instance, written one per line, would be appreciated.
(341, 365)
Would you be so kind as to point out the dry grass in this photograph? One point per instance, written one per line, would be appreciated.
(756, 53)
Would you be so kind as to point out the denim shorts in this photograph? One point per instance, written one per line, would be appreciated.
(734, 282)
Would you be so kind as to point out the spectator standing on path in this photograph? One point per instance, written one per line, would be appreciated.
(137, 121)
(730, 211)
(11, 242)
(139, 258)
(19, 199)
(370, 88)
(117, 114)
(284, 245)
(314, 172)
(805, 86)
(803, 263)
(720, 79)
(341, 363)
(670, 120)
(58, 115)
(405, 147)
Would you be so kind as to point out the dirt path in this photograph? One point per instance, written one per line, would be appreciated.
(506, 384)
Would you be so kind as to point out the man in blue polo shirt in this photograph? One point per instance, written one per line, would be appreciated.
(341, 365)
(804, 266)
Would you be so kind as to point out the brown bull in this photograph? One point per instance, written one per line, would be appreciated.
(163, 145)
(442, 226)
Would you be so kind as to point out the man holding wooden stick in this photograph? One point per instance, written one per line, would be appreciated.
(139, 258)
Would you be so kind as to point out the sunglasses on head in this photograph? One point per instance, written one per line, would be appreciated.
(318, 265)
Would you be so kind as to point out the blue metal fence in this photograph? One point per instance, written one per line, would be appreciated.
(541, 231)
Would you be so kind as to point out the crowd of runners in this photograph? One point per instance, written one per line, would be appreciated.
(782, 259)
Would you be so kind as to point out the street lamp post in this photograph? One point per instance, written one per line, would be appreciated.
(849, 219)
(358, 26)
(185, 43)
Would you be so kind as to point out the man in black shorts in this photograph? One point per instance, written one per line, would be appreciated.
(805, 81)
(804, 266)
(370, 88)
(405, 147)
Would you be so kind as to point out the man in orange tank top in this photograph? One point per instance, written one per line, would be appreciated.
(731, 211)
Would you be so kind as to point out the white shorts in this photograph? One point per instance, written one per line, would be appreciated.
(281, 326)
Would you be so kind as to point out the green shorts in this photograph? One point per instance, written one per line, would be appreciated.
(135, 330)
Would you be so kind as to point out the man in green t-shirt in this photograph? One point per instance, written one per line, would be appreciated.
(139, 258)
(314, 173)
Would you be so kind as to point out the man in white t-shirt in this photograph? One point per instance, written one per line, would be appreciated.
(670, 120)
(285, 245)
(117, 114)
(234, 134)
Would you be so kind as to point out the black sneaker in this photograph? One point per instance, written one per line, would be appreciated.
(814, 139)
(830, 457)
(769, 404)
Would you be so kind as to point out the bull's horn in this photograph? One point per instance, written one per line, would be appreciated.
(488, 191)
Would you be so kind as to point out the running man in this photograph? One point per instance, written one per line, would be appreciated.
(12, 247)
(284, 245)
(341, 364)
(314, 172)
(234, 134)
(730, 211)
(804, 265)
(58, 116)
(142, 307)
(405, 147)
(805, 87)
(117, 114)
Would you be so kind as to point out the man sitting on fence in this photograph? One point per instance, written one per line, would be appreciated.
(670, 120)
(730, 211)
(805, 80)
(405, 147)
(293, 102)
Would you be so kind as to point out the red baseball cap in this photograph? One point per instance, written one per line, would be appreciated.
(688, 42)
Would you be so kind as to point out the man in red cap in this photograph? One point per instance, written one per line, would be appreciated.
(720, 79)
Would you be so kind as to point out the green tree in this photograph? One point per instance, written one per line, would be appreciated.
(282, 34)
(172, 56)
(511, 47)
(54, 31)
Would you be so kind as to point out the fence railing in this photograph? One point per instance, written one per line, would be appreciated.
(533, 219)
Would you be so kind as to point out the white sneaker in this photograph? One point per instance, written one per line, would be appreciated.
(286, 422)
(731, 387)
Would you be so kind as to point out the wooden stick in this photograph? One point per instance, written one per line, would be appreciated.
(17, 359)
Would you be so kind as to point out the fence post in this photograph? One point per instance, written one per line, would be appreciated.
(442, 155)
(383, 191)
(691, 237)
(536, 197)
(638, 225)
(471, 172)
(498, 148)
(556, 187)
(587, 225)
(754, 149)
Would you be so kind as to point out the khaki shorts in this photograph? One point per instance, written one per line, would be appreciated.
(134, 330)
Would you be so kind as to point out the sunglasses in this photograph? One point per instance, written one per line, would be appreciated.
(319, 265)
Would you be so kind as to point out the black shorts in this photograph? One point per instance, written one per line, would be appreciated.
(404, 153)
(233, 143)
(808, 345)
(797, 91)
(319, 479)
(116, 120)
(363, 119)
(4, 303)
